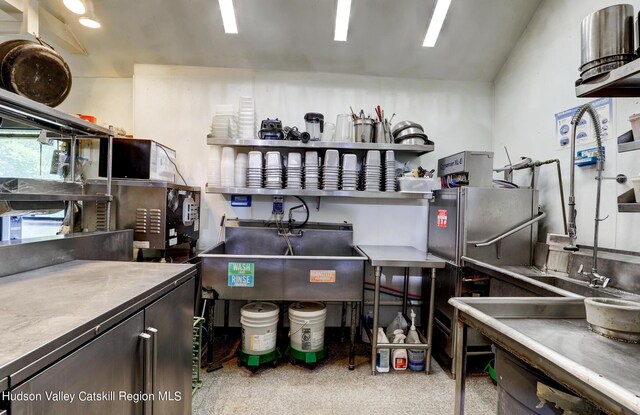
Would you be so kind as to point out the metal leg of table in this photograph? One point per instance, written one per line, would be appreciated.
(343, 321)
(211, 305)
(430, 322)
(461, 366)
(405, 292)
(226, 320)
(352, 338)
(376, 306)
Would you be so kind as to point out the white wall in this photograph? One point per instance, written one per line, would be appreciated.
(174, 105)
(536, 82)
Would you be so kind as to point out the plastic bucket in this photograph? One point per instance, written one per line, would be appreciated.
(306, 320)
(259, 327)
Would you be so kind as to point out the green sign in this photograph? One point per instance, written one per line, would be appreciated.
(241, 274)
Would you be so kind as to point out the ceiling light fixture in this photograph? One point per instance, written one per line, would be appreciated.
(76, 6)
(228, 16)
(342, 20)
(90, 20)
(439, 13)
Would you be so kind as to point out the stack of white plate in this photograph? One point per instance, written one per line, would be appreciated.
(254, 171)
(220, 122)
(311, 170)
(227, 167)
(242, 160)
(294, 171)
(213, 168)
(389, 171)
(273, 170)
(372, 171)
(331, 170)
(246, 118)
(349, 177)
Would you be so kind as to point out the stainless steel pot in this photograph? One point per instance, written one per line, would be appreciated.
(607, 40)
(403, 125)
(363, 130)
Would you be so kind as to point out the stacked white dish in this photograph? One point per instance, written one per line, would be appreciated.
(331, 170)
(254, 171)
(294, 171)
(349, 179)
(242, 160)
(227, 167)
(246, 118)
(213, 167)
(273, 170)
(220, 122)
(372, 171)
(389, 171)
(311, 170)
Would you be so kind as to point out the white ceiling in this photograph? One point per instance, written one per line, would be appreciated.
(385, 36)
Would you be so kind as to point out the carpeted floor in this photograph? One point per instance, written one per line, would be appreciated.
(333, 389)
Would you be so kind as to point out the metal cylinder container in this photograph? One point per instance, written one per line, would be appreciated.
(607, 40)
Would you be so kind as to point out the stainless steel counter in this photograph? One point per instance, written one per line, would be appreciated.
(400, 256)
(551, 335)
(46, 313)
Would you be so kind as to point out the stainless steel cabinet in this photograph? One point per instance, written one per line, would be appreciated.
(112, 362)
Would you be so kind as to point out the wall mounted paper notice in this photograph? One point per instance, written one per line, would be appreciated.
(584, 130)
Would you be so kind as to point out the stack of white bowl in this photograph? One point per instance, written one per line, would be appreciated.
(227, 167)
(273, 170)
(220, 122)
(372, 171)
(294, 171)
(311, 170)
(213, 167)
(331, 170)
(390, 171)
(242, 160)
(349, 177)
(254, 171)
(246, 118)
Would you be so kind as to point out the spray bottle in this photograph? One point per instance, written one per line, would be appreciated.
(415, 356)
(382, 356)
(399, 355)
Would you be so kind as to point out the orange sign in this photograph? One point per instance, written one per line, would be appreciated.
(322, 275)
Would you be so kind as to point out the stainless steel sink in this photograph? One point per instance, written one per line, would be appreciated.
(325, 265)
(576, 287)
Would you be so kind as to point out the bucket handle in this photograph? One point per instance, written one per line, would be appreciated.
(301, 327)
(42, 42)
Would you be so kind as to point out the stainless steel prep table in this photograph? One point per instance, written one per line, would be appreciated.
(551, 335)
(48, 312)
(405, 257)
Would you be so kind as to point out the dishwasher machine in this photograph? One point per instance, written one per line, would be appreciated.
(493, 225)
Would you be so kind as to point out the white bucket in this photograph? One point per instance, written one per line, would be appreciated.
(259, 327)
(306, 320)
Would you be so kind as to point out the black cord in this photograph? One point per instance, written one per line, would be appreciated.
(174, 164)
(306, 208)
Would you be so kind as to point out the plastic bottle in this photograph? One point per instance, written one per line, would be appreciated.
(415, 356)
(399, 356)
(382, 357)
(368, 321)
(398, 323)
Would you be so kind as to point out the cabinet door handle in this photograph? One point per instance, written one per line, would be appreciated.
(146, 372)
(153, 332)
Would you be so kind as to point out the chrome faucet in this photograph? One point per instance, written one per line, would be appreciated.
(594, 278)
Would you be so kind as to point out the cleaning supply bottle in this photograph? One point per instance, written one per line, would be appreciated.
(368, 321)
(398, 323)
(382, 356)
(399, 356)
(415, 356)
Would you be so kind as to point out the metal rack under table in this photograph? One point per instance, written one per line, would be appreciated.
(405, 257)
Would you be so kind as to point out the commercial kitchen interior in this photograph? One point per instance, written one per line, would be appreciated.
(477, 168)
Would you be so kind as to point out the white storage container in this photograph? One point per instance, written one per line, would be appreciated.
(635, 126)
(416, 185)
(636, 187)
(259, 327)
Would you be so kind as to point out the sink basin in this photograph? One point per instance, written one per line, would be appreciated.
(614, 318)
(576, 287)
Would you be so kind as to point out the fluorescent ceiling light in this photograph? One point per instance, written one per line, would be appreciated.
(76, 6)
(342, 20)
(439, 13)
(228, 16)
(90, 23)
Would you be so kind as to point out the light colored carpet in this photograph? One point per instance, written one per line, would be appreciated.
(333, 389)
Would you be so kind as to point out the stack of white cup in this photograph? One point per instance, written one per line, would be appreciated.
(254, 171)
(227, 167)
(389, 171)
(213, 167)
(294, 171)
(246, 118)
(311, 170)
(242, 161)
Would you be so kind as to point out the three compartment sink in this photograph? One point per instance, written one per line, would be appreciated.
(326, 266)
(614, 318)
(574, 286)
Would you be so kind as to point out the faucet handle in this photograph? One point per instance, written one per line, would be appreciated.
(581, 269)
